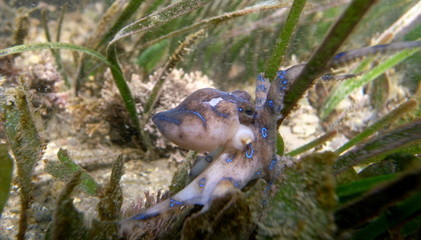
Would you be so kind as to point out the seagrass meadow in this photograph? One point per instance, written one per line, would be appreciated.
(329, 107)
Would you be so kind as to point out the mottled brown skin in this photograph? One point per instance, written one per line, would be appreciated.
(205, 120)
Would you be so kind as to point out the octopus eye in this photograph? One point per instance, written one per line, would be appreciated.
(249, 112)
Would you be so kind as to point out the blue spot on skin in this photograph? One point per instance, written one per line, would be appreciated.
(264, 132)
(260, 78)
(283, 88)
(327, 77)
(273, 164)
(270, 103)
(236, 183)
(258, 173)
(281, 75)
(339, 55)
(140, 217)
(249, 151)
(202, 182)
(268, 187)
(240, 109)
(174, 202)
(270, 182)
(230, 158)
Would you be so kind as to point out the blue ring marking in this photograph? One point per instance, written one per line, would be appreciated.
(339, 55)
(199, 115)
(174, 202)
(285, 82)
(208, 159)
(258, 173)
(230, 158)
(240, 109)
(202, 182)
(270, 103)
(273, 164)
(264, 132)
(233, 181)
(283, 88)
(260, 78)
(249, 154)
(164, 118)
(281, 74)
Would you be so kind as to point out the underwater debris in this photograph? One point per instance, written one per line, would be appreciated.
(67, 220)
(406, 137)
(66, 168)
(6, 166)
(112, 198)
(228, 215)
(27, 147)
(370, 205)
(303, 201)
(22, 28)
